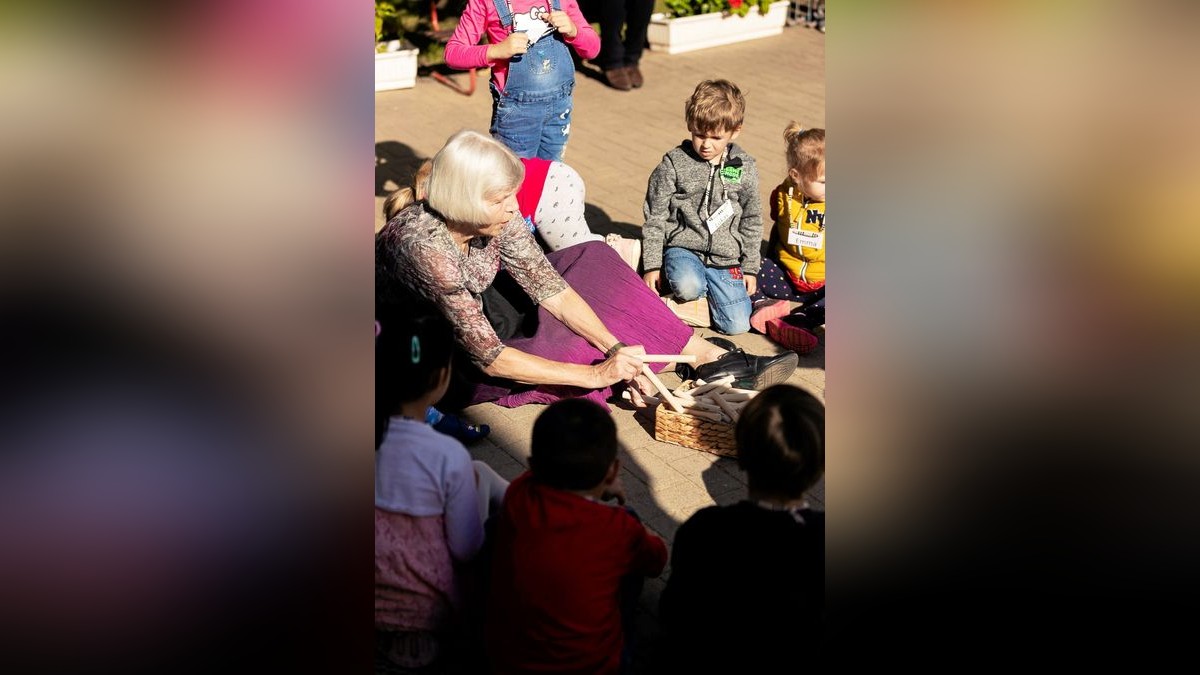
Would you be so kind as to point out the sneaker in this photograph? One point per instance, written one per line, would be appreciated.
(788, 333)
(764, 310)
(454, 426)
(750, 371)
(618, 78)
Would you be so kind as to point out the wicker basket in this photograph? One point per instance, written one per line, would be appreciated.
(694, 432)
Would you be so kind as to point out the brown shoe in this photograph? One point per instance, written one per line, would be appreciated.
(635, 76)
(618, 78)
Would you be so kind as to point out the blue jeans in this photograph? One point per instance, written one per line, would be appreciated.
(726, 291)
(533, 125)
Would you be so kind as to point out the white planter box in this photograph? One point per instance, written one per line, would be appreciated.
(395, 68)
(688, 33)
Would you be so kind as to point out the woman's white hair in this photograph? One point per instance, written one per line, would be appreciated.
(469, 169)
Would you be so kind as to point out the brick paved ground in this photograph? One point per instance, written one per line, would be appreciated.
(617, 139)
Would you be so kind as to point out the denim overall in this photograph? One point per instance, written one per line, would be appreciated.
(533, 114)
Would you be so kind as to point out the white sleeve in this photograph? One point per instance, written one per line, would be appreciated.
(464, 531)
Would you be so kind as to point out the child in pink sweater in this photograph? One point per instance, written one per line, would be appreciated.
(533, 74)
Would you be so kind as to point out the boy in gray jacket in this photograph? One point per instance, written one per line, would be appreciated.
(703, 214)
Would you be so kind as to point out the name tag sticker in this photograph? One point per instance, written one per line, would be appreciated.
(720, 217)
(806, 239)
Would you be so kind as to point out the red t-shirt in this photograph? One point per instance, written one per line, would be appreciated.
(558, 563)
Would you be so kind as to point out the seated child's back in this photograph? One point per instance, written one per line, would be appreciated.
(753, 573)
(561, 554)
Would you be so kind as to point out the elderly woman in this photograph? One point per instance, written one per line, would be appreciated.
(595, 319)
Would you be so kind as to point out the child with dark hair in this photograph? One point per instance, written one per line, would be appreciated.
(430, 498)
(769, 549)
(563, 559)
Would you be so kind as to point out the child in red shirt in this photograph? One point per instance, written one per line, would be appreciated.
(562, 556)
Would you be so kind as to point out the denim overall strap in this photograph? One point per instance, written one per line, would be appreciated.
(505, 15)
(546, 69)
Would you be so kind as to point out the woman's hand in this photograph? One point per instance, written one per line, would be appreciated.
(563, 24)
(639, 388)
(513, 45)
(653, 279)
(621, 367)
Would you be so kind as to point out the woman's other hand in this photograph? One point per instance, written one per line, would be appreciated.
(620, 367)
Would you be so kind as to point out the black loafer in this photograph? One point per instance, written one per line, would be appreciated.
(685, 371)
(750, 371)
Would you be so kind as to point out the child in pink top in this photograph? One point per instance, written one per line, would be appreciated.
(533, 74)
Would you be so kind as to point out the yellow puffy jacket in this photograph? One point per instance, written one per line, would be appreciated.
(804, 263)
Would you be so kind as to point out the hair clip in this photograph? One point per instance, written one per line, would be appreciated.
(415, 349)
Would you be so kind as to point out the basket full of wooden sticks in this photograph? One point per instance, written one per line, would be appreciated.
(699, 415)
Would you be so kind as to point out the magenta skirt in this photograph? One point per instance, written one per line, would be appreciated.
(633, 312)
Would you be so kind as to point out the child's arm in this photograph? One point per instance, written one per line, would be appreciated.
(576, 29)
(649, 553)
(750, 226)
(656, 210)
(778, 213)
(463, 50)
(464, 531)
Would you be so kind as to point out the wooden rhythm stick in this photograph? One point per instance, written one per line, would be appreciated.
(668, 358)
(663, 392)
(705, 414)
(715, 384)
(728, 409)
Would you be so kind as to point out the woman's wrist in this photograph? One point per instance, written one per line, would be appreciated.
(614, 349)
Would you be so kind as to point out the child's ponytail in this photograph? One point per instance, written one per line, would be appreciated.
(396, 201)
(805, 149)
(401, 198)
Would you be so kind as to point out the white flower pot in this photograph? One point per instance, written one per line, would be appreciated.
(395, 68)
(688, 33)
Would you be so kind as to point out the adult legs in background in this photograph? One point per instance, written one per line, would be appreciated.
(637, 22)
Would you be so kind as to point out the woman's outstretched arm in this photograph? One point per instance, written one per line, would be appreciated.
(515, 364)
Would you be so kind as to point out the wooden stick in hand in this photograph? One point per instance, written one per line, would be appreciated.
(668, 358)
(663, 392)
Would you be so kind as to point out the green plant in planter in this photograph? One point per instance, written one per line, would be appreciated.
(396, 19)
(386, 27)
(678, 8)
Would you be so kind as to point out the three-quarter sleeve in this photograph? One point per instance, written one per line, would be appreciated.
(526, 262)
(440, 276)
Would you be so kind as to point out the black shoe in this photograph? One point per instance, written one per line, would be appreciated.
(685, 371)
(807, 318)
(750, 371)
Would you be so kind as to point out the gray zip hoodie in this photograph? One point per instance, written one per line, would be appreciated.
(676, 209)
